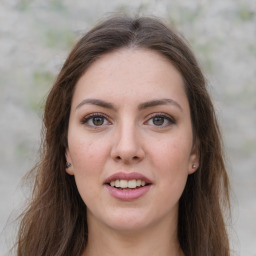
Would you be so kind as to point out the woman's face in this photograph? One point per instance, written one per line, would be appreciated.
(130, 140)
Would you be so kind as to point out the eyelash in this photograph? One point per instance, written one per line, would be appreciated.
(89, 117)
(166, 117)
(170, 120)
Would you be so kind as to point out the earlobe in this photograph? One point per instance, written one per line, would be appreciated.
(193, 166)
(69, 166)
(194, 159)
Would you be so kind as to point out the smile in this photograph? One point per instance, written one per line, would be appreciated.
(128, 184)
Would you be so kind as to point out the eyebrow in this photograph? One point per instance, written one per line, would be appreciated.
(154, 103)
(96, 102)
(144, 105)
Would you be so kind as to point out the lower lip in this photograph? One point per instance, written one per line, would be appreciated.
(127, 195)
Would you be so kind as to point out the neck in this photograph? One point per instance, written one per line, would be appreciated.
(160, 240)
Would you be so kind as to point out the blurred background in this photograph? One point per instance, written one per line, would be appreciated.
(35, 38)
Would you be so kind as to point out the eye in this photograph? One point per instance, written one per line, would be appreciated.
(160, 120)
(95, 120)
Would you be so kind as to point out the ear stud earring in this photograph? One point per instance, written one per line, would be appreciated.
(68, 165)
(193, 166)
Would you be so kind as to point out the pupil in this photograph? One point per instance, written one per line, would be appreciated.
(98, 120)
(158, 120)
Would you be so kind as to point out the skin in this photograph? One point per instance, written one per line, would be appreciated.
(128, 138)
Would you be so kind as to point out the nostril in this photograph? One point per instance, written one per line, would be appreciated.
(133, 158)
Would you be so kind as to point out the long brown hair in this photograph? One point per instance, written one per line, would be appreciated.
(55, 221)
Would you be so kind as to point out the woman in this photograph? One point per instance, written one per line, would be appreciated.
(132, 161)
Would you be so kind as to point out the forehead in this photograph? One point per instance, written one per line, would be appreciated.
(131, 59)
(131, 73)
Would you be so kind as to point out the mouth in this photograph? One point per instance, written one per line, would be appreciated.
(123, 184)
(128, 186)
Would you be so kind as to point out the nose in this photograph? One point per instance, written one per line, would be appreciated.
(127, 145)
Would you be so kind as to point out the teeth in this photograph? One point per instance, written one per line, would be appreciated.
(117, 183)
(138, 183)
(127, 184)
(123, 183)
(132, 184)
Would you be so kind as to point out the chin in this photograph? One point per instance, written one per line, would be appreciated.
(126, 221)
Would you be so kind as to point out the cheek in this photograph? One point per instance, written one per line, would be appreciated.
(172, 174)
(87, 153)
(171, 159)
(88, 157)
(173, 153)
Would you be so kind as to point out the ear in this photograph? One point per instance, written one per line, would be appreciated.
(194, 158)
(69, 166)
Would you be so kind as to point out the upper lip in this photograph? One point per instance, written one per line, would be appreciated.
(127, 176)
